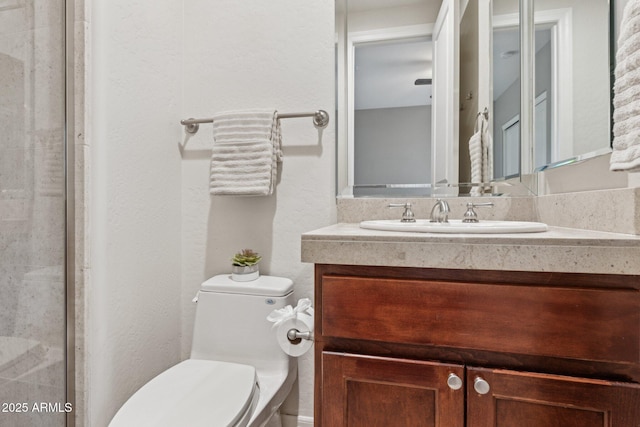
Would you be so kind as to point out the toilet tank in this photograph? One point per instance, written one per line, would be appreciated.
(231, 321)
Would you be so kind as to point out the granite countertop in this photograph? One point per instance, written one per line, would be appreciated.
(558, 249)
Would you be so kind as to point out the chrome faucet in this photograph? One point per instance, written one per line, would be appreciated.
(440, 211)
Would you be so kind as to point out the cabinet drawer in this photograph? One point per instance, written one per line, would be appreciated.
(588, 324)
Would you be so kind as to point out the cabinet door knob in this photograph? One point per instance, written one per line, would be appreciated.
(481, 386)
(454, 382)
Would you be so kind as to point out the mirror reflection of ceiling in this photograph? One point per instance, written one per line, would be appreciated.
(362, 5)
(506, 59)
(506, 56)
(386, 74)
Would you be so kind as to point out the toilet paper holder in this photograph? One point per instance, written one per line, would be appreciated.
(295, 336)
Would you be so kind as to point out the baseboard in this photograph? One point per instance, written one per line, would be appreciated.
(296, 421)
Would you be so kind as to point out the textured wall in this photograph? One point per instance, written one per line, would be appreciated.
(133, 300)
(152, 216)
(267, 55)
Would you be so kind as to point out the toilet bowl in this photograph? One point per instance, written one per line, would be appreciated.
(236, 376)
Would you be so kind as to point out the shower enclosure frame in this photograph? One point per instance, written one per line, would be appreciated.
(38, 203)
(70, 217)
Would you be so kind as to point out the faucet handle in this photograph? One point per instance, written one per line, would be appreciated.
(470, 215)
(407, 215)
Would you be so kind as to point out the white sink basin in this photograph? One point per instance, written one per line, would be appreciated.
(456, 226)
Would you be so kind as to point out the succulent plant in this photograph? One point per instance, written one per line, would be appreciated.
(245, 258)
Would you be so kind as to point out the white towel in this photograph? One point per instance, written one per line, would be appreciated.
(475, 153)
(246, 150)
(487, 154)
(481, 153)
(626, 101)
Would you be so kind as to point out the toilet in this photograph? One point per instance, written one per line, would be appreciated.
(237, 374)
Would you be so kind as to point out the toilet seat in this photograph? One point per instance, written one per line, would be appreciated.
(193, 393)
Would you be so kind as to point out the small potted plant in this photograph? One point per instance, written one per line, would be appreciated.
(245, 266)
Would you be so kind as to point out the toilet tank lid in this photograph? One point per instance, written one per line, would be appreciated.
(264, 286)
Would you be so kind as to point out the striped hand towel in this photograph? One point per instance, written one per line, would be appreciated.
(626, 101)
(246, 150)
(481, 155)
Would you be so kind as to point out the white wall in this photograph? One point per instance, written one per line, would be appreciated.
(267, 55)
(591, 87)
(133, 308)
(364, 17)
(399, 139)
(156, 232)
(619, 11)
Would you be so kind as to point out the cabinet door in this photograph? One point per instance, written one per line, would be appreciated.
(498, 398)
(364, 391)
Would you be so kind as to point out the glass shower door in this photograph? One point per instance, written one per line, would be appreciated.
(32, 214)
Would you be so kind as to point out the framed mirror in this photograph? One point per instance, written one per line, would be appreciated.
(414, 78)
(385, 69)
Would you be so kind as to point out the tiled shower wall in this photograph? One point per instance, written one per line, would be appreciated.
(32, 235)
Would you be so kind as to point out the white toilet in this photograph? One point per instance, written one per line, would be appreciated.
(237, 374)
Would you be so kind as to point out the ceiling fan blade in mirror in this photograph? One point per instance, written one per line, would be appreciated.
(422, 82)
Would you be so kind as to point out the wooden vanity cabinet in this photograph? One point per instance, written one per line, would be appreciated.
(453, 348)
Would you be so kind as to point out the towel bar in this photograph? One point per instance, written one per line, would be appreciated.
(484, 113)
(320, 120)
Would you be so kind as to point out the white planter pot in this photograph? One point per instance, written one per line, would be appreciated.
(245, 274)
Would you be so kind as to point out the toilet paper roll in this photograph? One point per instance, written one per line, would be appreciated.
(303, 323)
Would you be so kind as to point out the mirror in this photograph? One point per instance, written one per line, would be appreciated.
(385, 59)
(569, 64)
(572, 99)
(414, 77)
